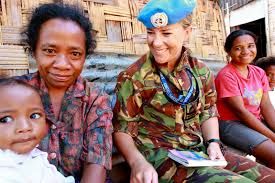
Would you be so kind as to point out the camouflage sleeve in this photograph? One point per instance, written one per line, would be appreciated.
(210, 96)
(126, 110)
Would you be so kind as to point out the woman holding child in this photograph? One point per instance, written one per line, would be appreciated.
(78, 115)
(247, 117)
(166, 100)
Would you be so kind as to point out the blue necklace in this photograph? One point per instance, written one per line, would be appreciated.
(181, 99)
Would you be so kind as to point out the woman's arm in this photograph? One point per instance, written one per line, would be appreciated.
(93, 173)
(210, 130)
(236, 104)
(268, 112)
(141, 170)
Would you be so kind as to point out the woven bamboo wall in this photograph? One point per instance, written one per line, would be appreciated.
(117, 29)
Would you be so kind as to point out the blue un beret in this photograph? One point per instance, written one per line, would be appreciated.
(159, 13)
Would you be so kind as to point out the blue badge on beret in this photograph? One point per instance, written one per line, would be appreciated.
(159, 13)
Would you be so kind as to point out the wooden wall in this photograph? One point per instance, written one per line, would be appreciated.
(234, 4)
(118, 30)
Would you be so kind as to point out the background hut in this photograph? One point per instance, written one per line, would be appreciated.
(257, 16)
(121, 38)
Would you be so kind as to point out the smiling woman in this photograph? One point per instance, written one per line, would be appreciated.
(247, 117)
(166, 100)
(60, 53)
(78, 114)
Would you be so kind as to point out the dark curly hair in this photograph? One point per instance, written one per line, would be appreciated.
(265, 62)
(233, 35)
(15, 82)
(49, 11)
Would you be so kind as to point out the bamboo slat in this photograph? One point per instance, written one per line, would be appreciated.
(109, 2)
(126, 30)
(12, 72)
(122, 3)
(118, 11)
(10, 35)
(13, 57)
(108, 47)
(96, 14)
(117, 18)
(113, 31)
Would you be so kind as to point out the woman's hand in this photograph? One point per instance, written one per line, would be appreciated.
(214, 151)
(143, 172)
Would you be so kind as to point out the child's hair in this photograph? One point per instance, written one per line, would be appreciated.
(233, 35)
(63, 11)
(15, 82)
(265, 62)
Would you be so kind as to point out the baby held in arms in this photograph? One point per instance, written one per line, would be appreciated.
(23, 126)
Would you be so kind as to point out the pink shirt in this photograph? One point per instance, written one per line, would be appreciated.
(230, 83)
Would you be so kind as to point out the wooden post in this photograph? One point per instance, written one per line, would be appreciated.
(271, 24)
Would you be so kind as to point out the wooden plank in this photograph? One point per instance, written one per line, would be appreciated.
(11, 35)
(96, 15)
(12, 72)
(109, 2)
(106, 47)
(14, 12)
(12, 55)
(112, 10)
(140, 38)
(12, 48)
(126, 30)
(4, 17)
(128, 47)
(16, 61)
(6, 67)
(122, 3)
(140, 49)
(113, 31)
(117, 18)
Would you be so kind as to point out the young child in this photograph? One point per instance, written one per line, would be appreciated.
(268, 65)
(22, 126)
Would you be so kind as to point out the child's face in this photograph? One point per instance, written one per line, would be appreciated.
(22, 119)
(270, 72)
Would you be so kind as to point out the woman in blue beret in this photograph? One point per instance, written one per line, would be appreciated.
(166, 100)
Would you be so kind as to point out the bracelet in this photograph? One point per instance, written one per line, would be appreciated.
(213, 140)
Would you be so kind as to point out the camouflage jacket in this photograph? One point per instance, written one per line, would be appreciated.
(155, 123)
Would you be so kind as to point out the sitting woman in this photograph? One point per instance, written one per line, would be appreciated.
(247, 118)
(79, 139)
(166, 100)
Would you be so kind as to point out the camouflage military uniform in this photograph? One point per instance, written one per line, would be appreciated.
(157, 124)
